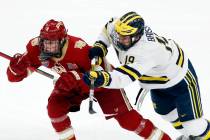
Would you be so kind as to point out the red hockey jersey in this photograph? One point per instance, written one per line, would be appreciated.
(74, 56)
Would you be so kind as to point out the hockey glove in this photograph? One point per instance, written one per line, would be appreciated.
(99, 49)
(71, 81)
(18, 65)
(67, 81)
(101, 78)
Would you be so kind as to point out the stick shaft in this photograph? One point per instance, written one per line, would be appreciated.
(91, 93)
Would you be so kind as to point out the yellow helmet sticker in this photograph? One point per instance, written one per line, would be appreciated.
(124, 29)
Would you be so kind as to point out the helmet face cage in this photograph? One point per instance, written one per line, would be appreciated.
(116, 41)
(132, 25)
(52, 39)
(51, 48)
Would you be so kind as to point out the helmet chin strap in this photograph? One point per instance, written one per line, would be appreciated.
(135, 39)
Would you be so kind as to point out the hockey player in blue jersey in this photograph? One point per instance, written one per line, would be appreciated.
(160, 65)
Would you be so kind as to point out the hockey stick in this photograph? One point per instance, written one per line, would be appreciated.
(30, 68)
(140, 97)
(91, 93)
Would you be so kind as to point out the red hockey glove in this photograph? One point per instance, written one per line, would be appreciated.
(71, 81)
(18, 65)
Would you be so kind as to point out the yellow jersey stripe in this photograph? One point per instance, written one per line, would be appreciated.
(192, 92)
(130, 72)
(198, 99)
(197, 96)
(152, 80)
(192, 96)
(180, 60)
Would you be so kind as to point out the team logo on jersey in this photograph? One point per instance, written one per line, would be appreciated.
(58, 68)
(80, 44)
(72, 66)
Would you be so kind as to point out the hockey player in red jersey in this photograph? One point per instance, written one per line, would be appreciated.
(68, 56)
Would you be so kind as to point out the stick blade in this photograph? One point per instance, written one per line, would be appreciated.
(91, 110)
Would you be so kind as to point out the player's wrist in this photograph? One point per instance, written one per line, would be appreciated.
(107, 79)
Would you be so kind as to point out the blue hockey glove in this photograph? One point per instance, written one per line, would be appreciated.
(99, 49)
(101, 78)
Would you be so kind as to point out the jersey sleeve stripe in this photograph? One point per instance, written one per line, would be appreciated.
(154, 80)
(132, 70)
(124, 72)
(180, 60)
(132, 73)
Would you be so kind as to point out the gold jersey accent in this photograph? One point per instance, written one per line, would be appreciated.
(80, 44)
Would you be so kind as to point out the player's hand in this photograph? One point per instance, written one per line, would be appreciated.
(99, 49)
(100, 78)
(67, 81)
(18, 64)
